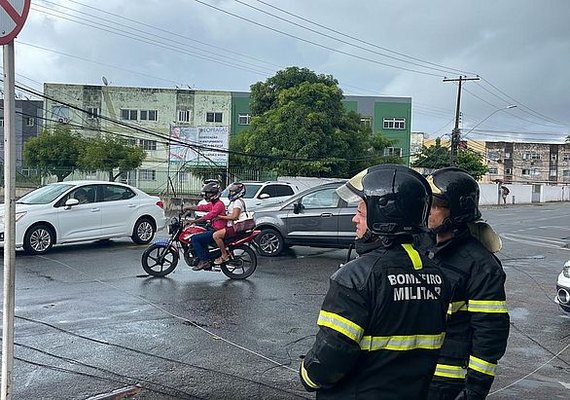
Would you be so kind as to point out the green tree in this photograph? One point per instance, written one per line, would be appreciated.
(437, 156)
(300, 116)
(54, 152)
(107, 153)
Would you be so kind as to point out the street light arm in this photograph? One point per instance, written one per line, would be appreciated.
(489, 116)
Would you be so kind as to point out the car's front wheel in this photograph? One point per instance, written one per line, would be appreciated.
(143, 231)
(38, 239)
(270, 242)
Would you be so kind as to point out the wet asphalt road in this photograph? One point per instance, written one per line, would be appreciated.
(88, 321)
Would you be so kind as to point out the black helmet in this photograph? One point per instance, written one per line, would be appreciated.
(397, 198)
(458, 191)
(235, 191)
(211, 191)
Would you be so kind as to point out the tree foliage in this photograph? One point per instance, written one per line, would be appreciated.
(438, 156)
(107, 153)
(54, 152)
(301, 127)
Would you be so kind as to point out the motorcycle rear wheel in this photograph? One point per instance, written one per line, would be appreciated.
(242, 263)
(159, 260)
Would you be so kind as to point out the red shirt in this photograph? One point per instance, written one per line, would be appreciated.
(213, 210)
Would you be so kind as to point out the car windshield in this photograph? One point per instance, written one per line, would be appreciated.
(250, 190)
(44, 195)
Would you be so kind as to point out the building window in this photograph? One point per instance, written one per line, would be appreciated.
(566, 157)
(30, 121)
(566, 175)
(531, 156)
(526, 172)
(184, 116)
(554, 157)
(508, 171)
(244, 119)
(92, 112)
(1, 121)
(394, 123)
(148, 144)
(129, 115)
(552, 172)
(213, 117)
(393, 151)
(507, 156)
(493, 171)
(149, 115)
(147, 174)
(366, 122)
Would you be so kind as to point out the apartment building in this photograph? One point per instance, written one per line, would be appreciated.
(29, 124)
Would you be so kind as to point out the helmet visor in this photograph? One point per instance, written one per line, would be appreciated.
(347, 194)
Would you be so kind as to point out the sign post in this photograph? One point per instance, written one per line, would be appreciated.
(13, 14)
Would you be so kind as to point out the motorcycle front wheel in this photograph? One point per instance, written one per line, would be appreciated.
(159, 260)
(242, 263)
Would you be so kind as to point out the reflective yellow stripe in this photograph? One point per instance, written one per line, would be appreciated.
(402, 343)
(341, 325)
(456, 306)
(305, 376)
(482, 366)
(414, 255)
(450, 371)
(487, 306)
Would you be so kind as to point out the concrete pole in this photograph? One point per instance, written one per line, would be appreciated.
(9, 222)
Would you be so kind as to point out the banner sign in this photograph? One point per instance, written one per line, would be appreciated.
(186, 142)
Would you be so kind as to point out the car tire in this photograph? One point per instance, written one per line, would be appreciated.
(270, 243)
(143, 231)
(39, 239)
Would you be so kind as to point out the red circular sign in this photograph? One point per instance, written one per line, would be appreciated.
(13, 14)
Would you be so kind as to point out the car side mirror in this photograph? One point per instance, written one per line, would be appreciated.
(70, 203)
(298, 207)
(264, 196)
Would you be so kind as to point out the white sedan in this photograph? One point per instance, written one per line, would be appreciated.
(75, 211)
(563, 288)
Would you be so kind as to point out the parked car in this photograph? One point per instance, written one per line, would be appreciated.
(74, 211)
(563, 288)
(260, 194)
(315, 217)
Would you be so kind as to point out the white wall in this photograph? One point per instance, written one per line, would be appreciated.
(522, 194)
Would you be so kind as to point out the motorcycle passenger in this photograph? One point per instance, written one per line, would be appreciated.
(235, 192)
(214, 209)
(478, 324)
(382, 321)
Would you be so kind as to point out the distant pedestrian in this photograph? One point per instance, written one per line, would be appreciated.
(504, 193)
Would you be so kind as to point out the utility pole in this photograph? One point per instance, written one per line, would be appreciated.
(455, 134)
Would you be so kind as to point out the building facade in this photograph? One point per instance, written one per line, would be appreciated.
(157, 119)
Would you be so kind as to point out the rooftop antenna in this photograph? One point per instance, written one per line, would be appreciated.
(105, 81)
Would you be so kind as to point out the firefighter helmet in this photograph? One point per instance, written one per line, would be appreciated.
(397, 198)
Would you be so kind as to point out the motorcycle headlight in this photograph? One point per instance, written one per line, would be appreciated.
(566, 270)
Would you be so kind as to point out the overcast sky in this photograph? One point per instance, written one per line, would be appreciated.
(519, 48)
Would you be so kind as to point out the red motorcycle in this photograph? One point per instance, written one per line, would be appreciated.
(161, 258)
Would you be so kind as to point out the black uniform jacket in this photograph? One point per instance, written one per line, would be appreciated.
(478, 321)
(381, 326)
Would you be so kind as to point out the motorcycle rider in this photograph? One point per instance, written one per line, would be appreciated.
(478, 324)
(235, 193)
(214, 209)
(382, 321)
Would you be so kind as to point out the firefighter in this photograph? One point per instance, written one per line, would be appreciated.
(478, 321)
(382, 321)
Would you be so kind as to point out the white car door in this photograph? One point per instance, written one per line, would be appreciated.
(81, 221)
(119, 209)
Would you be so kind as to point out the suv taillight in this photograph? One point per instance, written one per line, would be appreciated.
(160, 203)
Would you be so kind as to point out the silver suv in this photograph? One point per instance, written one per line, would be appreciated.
(261, 194)
(317, 217)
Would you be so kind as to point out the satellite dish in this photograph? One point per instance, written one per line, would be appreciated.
(105, 81)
